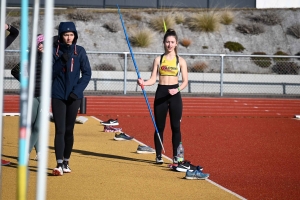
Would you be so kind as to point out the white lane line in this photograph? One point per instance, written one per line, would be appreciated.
(227, 190)
(10, 114)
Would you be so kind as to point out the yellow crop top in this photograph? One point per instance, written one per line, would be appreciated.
(169, 67)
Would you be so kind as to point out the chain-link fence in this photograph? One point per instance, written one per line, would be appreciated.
(209, 74)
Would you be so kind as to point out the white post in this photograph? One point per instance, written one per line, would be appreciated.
(45, 102)
(2, 46)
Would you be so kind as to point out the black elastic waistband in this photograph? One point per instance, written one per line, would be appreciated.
(168, 86)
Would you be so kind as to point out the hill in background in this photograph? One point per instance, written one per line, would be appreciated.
(200, 31)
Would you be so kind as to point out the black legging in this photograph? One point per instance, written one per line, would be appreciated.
(64, 116)
(162, 103)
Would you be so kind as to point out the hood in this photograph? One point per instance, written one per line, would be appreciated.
(67, 27)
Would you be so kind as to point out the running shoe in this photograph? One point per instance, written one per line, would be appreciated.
(122, 136)
(173, 166)
(66, 167)
(159, 160)
(110, 122)
(58, 170)
(145, 149)
(186, 165)
(195, 174)
(112, 129)
(4, 162)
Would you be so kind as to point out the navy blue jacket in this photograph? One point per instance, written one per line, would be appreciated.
(74, 75)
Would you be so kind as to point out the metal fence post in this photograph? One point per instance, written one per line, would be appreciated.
(221, 74)
(125, 71)
(284, 88)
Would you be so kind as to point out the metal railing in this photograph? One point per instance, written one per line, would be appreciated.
(209, 74)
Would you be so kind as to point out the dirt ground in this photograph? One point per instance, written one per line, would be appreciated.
(102, 168)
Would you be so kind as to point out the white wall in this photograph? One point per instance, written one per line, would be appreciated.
(277, 3)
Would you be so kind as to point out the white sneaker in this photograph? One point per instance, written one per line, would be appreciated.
(159, 160)
(58, 171)
(66, 167)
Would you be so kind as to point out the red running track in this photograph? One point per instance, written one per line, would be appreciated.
(250, 146)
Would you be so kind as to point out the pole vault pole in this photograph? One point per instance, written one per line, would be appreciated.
(45, 102)
(32, 68)
(23, 155)
(138, 74)
(2, 46)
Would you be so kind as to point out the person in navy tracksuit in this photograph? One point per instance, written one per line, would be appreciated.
(71, 74)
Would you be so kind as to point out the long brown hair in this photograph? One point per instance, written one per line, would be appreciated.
(171, 32)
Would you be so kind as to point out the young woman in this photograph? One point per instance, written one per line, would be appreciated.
(168, 67)
(71, 75)
(36, 110)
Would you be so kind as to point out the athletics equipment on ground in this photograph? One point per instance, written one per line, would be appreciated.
(145, 149)
(110, 122)
(138, 75)
(122, 136)
(195, 174)
(81, 120)
(186, 165)
(112, 129)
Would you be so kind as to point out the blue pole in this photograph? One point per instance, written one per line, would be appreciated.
(23, 154)
(138, 74)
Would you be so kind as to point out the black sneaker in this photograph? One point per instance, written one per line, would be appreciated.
(159, 160)
(66, 167)
(110, 122)
(186, 165)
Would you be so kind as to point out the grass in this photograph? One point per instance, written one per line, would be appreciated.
(157, 23)
(141, 37)
(298, 54)
(226, 17)
(268, 18)
(251, 29)
(185, 42)
(286, 68)
(294, 30)
(105, 67)
(112, 26)
(234, 46)
(199, 66)
(135, 16)
(81, 15)
(281, 53)
(262, 62)
(179, 18)
(208, 21)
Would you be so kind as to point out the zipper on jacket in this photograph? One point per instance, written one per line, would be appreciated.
(72, 63)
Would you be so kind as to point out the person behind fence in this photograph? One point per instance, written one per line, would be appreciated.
(71, 74)
(13, 34)
(168, 68)
(36, 110)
